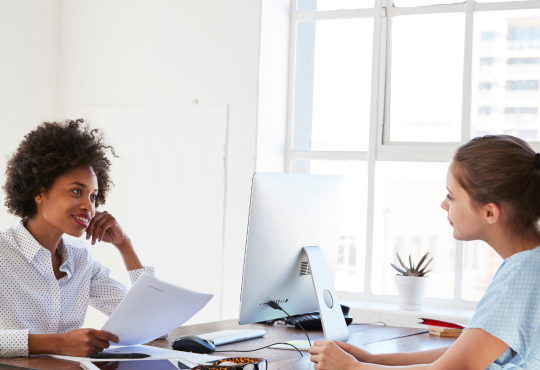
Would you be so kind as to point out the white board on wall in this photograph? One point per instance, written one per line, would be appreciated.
(169, 194)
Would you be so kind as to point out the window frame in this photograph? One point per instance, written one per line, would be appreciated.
(380, 148)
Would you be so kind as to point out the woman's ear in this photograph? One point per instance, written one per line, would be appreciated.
(492, 212)
(39, 197)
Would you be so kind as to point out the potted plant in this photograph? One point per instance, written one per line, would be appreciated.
(411, 283)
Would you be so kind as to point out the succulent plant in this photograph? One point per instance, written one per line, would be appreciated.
(413, 270)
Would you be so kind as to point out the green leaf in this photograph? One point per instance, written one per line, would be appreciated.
(397, 268)
(410, 263)
(402, 264)
(422, 260)
(427, 264)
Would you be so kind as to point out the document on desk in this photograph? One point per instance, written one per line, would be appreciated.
(151, 309)
(154, 352)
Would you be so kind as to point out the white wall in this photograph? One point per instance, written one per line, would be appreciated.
(67, 55)
(29, 72)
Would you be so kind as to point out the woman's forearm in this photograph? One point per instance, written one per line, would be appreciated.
(411, 358)
(131, 260)
(43, 343)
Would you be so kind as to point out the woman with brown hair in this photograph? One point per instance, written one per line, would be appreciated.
(493, 195)
(55, 181)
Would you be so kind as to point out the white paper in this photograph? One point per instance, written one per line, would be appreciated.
(151, 309)
(155, 352)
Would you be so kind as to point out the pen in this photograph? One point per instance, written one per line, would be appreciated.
(118, 355)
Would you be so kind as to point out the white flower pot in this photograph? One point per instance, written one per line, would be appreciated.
(411, 291)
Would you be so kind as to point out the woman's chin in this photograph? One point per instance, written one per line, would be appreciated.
(77, 233)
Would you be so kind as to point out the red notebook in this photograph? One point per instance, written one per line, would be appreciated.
(444, 324)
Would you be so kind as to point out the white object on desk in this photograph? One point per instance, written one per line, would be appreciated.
(231, 336)
(156, 353)
(152, 308)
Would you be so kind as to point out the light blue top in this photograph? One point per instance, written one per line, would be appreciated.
(510, 310)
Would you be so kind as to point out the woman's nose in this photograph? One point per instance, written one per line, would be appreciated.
(444, 204)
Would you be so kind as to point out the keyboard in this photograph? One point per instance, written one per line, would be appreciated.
(230, 336)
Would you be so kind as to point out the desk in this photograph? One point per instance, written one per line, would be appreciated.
(375, 339)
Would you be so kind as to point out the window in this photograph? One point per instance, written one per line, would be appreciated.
(486, 61)
(519, 60)
(522, 85)
(384, 92)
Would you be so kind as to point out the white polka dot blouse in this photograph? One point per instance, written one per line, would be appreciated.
(32, 301)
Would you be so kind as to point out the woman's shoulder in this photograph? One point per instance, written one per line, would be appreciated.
(521, 263)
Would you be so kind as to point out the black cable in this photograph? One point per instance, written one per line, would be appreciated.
(252, 350)
(276, 306)
(368, 323)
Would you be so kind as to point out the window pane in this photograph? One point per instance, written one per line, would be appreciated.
(426, 78)
(333, 85)
(506, 74)
(410, 3)
(409, 220)
(312, 5)
(480, 262)
(352, 247)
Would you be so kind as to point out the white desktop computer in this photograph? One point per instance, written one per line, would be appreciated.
(291, 249)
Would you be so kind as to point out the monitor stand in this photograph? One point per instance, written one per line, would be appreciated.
(333, 322)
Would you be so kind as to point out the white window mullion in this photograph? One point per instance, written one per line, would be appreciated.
(467, 73)
(290, 88)
(511, 5)
(375, 135)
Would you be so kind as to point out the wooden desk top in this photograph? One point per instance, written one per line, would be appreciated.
(375, 339)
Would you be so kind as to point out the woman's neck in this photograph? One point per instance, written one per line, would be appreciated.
(507, 244)
(45, 234)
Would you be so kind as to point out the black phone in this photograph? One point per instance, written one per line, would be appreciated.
(312, 320)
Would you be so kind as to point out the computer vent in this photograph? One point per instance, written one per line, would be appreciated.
(305, 269)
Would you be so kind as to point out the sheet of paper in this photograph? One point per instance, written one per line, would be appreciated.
(151, 309)
(155, 352)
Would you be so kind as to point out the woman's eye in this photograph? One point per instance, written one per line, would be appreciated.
(449, 197)
(77, 191)
(93, 197)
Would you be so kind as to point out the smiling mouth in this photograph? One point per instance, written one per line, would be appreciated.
(81, 221)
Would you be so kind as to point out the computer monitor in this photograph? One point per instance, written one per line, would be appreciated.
(292, 248)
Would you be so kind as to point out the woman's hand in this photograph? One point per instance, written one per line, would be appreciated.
(330, 356)
(104, 227)
(84, 342)
(358, 353)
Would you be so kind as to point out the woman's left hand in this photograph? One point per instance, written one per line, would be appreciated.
(328, 356)
(104, 227)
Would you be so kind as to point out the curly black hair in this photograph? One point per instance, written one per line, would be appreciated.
(50, 151)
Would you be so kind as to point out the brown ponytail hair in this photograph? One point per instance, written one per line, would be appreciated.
(502, 169)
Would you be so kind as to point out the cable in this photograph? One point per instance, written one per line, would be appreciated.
(368, 323)
(252, 350)
(276, 306)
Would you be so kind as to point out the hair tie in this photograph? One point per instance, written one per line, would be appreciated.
(538, 161)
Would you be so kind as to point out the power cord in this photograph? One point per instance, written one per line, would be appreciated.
(270, 345)
(276, 306)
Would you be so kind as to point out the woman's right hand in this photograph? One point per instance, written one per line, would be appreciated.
(85, 342)
(359, 354)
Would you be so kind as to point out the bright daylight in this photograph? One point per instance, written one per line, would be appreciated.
(270, 184)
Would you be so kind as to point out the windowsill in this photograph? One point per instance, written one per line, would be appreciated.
(391, 315)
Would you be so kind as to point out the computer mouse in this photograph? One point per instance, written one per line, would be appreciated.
(193, 343)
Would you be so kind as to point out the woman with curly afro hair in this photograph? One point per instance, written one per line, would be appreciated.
(55, 181)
